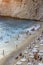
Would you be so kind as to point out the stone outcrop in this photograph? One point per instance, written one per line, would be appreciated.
(27, 9)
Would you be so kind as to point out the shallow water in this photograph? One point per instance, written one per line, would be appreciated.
(11, 27)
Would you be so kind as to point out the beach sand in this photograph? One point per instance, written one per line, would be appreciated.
(10, 58)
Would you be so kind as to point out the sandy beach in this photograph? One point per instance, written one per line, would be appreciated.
(10, 58)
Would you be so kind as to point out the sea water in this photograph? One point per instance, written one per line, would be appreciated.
(10, 28)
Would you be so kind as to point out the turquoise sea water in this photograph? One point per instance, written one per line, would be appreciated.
(10, 28)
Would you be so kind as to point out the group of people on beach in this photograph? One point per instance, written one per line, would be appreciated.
(37, 58)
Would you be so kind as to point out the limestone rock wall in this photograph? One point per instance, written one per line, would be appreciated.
(28, 9)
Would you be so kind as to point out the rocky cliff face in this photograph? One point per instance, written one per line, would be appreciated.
(28, 9)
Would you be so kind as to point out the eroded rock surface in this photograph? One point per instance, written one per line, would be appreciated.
(28, 9)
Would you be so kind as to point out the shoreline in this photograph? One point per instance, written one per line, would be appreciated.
(21, 46)
(8, 50)
(17, 18)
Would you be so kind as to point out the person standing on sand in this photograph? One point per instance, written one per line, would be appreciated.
(16, 46)
(3, 53)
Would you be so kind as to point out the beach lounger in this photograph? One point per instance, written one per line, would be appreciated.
(29, 63)
(34, 50)
(36, 46)
(40, 64)
(19, 63)
(23, 59)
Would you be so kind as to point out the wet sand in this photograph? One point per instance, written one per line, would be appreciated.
(10, 59)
